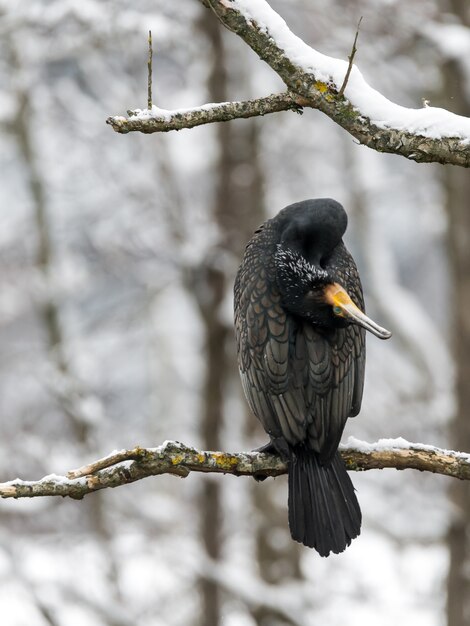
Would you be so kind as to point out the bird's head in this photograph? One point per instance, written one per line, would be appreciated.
(306, 275)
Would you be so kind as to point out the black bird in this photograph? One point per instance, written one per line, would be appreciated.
(300, 328)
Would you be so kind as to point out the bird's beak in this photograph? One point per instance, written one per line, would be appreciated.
(339, 298)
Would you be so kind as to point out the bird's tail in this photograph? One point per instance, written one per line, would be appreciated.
(323, 509)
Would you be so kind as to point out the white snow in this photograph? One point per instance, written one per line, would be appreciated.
(50, 478)
(428, 121)
(381, 444)
(166, 115)
(154, 112)
(398, 443)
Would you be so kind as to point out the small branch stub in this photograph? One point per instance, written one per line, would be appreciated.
(351, 60)
(149, 72)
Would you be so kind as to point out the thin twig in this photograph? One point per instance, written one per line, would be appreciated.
(149, 73)
(136, 454)
(351, 59)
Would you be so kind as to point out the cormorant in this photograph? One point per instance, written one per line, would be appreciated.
(300, 328)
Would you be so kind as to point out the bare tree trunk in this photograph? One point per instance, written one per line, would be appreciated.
(458, 538)
(238, 209)
(209, 288)
(212, 415)
(49, 314)
(457, 183)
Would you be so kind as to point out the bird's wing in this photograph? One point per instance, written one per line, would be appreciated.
(265, 338)
(334, 390)
(349, 277)
(336, 367)
(359, 342)
(302, 383)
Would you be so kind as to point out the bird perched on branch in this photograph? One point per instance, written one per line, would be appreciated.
(300, 328)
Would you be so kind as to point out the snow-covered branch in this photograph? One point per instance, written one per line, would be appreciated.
(161, 120)
(128, 466)
(424, 135)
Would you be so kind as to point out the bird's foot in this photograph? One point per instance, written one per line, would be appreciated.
(268, 448)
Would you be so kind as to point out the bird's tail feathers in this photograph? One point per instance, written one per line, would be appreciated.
(324, 513)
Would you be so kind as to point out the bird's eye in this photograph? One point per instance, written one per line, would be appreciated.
(337, 310)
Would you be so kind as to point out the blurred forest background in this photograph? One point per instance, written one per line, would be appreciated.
(117, 257)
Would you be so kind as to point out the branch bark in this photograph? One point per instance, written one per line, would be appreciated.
(314, 80)
(162, 121)
(128, 466)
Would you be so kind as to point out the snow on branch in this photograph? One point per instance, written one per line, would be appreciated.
(424, 135)
(158, 120)
(127, 466)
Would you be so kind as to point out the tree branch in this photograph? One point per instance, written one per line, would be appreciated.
(422, 135)
(127, 466)
(161, 121)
